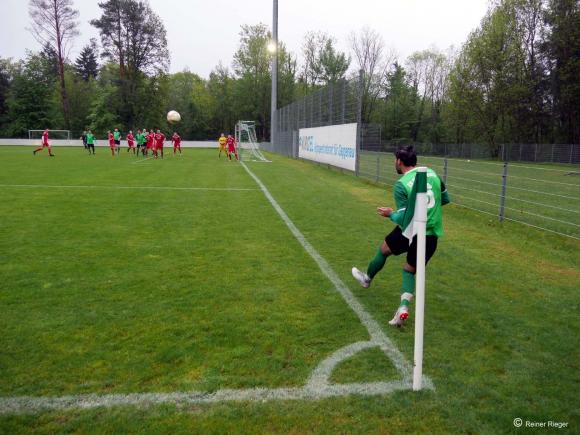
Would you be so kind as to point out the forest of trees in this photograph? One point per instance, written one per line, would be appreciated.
(515, 79)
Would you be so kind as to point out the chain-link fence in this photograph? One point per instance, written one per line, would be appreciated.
(494, 180)
(536, 153)
(336, 103)
(544, 196)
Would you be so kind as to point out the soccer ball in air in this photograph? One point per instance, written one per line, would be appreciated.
(173, 117)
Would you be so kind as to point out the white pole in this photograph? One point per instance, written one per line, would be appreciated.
(421, 222)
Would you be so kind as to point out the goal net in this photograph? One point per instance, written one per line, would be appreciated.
(36, 135)
(248, 148)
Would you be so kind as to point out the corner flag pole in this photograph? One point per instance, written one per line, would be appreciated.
(421, 225)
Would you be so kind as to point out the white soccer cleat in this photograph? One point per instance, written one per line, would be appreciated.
(401, 315)
(361, 277)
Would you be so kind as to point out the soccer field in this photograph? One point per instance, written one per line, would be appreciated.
(197, 295)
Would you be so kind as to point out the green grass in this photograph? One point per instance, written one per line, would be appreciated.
(109, 290)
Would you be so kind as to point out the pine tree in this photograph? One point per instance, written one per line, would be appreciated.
(86, 64)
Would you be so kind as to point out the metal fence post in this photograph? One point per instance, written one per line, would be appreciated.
(330, 102)
(503, 189)
(311, 110)
(343, 98)
(445, 166)
(359, 120)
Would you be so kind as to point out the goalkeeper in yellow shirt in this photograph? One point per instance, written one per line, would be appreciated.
(222, 145)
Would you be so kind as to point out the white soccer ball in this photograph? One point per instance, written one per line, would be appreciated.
(173, 117)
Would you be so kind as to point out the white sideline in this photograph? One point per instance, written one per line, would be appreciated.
(127, 187)
(317, 387)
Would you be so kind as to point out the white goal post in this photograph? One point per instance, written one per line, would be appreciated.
(52, 134)
(248, 148)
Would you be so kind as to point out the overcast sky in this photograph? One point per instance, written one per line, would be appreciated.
(201, 33)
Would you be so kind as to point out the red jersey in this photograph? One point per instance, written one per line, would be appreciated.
(176, 140)
(111, 139)
(150, 138)
(130, 139)
(231, 143)
(45, 138)
(159, 139)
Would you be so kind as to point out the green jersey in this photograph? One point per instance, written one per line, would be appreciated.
(90, 139)
(140, 138)
(117, 135)
(436, 193)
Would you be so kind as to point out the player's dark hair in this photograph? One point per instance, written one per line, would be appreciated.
(407, 155)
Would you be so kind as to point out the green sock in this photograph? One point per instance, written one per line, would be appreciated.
(408, 288)
(376, 263)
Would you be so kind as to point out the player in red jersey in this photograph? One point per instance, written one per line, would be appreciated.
(131, 142)
(176, 139)
(45, 144)
(111, 142)
(231, 142)
(159, 140)
(150, 142)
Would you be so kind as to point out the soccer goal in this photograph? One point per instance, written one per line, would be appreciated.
(52, 135)
(248, 148)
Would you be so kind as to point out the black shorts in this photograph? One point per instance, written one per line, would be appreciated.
(117, 142)
(398, 244)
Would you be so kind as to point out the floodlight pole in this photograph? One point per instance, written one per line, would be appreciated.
(274, 103)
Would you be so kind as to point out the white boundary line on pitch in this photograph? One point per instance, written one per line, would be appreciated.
(317, 387)
(141, 161)
(128, 187)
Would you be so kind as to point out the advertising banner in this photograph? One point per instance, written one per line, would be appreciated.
(334, 145)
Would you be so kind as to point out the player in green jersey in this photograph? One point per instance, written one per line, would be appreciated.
(396, 243)
(140, 138)
(117, 137)
(90, 142)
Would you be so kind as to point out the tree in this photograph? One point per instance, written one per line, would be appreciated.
(54, 24)
(188, 94)
(221, 87)
(81, 93)
(134, 38)
(49, 60)
(86, 65)
(322, 63)
(31, 103)
(286, 76)
(399, 115)
(6, 78)
(562, 50)
(374, 60)
(333, 64)
(252, 68)
(428, 72)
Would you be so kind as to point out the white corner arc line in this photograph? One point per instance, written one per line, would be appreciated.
(378, 337)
